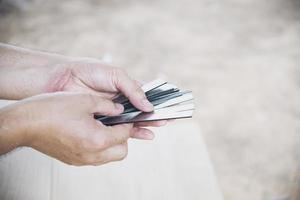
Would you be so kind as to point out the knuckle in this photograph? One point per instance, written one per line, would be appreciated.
(138, 89)
(118, 71)
(84, 145)
(98, 160)
(107, 103)
(117, 74)
(122, 153)
(90, 144)
(126, 135)
(103, 142)
(84, 158)
(97, 143)
(137, 92)
(125, 129)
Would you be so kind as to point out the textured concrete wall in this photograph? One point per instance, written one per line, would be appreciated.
(240, 57)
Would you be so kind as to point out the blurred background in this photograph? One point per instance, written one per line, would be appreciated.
(240, 57)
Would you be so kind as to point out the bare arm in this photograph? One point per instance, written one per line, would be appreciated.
(25, 72)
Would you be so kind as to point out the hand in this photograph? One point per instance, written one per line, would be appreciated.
(62, 125)
(93, 76)
(25, 73)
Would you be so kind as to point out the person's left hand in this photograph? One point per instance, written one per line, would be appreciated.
(93, 76)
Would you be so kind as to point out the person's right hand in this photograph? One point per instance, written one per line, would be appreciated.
(62, 125)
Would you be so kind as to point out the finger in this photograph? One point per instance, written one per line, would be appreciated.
(102, 137)
(142, 133)
(107, 136)
(104, 106)
(131, 90)
(151, 123)
(114, 153)
(118, 134)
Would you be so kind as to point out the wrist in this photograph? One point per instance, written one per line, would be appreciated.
(34, 81)
(14, 132)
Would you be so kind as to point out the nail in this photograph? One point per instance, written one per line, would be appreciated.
(119, 106)
(147, 105)
(147, 135)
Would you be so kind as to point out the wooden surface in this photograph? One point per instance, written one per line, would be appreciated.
(173, 166)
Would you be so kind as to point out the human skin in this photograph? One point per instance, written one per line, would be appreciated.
(60, 123)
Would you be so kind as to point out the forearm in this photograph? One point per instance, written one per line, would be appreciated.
(24, 72)
(18, 57)
(18, 83)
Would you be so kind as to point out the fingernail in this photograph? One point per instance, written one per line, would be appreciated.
(119, 106)
(162, 123)
(147, 135)
(147, 105)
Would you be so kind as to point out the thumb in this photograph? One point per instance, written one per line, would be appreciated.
(131, 90)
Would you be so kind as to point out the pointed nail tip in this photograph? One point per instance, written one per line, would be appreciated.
(150, 138)
(148, 109)
(119, 107)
